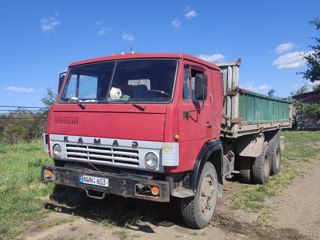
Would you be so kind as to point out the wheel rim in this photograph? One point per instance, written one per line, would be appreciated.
(278, 158)
(266, 165)
(207, 196)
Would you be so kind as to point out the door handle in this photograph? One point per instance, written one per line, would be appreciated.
(209, 125)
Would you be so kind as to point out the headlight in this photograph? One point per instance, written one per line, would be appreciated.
(56, 150)
(151, 160)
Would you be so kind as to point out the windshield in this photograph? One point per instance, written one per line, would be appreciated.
(125, 81)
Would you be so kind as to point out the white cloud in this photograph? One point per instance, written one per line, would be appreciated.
(103, 29)
(211, 58)
(263, 89)
(20, 89)
(311, 84)
(127, 36)
(176, 23)
(191, 14)
(290, 60)
(308, 84)
(284, 47)
(50, 23)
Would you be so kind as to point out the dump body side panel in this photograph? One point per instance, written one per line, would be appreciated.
(255, 108)
(247, 112)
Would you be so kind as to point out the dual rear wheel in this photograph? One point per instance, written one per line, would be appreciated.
(257, 170)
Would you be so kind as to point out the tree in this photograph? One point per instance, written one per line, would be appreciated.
(301, 90)
(49, 98)
(271, 92)
(316, 87)
(313, 58)
(313, 73)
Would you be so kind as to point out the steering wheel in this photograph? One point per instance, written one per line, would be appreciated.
(161, 92)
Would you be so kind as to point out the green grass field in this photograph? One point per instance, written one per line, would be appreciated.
(301, 149)
(20, 186)
(23, 196)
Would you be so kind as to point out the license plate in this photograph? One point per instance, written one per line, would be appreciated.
(98, 181)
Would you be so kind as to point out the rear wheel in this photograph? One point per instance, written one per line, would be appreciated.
(275, 157)
(197, 211)
(261, 166)
(245, 169)
(276, 160)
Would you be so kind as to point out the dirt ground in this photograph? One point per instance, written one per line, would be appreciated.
(295, 215)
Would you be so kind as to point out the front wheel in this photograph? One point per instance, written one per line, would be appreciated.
(198, 210)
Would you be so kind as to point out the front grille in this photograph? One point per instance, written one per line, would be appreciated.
(103, 155)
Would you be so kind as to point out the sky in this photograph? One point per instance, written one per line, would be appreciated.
(39, 38)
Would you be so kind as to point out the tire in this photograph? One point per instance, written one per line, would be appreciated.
(197, 211)
(275, 155)
(261, 166)
(245, 169)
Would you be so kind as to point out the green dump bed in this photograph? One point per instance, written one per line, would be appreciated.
(247, 112)
(256, 108)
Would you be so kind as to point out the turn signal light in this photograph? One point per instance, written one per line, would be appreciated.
(176, 137)
(155, 190)
(48, 174)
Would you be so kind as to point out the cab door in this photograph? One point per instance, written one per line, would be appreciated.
(194, 120)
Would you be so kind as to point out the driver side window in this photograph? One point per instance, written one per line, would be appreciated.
(189, 83)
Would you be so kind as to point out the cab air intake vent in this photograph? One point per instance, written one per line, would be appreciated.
(66, 120)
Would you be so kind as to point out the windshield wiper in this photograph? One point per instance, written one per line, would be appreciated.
(142, 108)
(76, 100)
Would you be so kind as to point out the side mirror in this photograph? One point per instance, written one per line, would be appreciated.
(200, 86)
(61, 79)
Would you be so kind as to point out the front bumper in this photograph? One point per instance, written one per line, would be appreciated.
(119, 184)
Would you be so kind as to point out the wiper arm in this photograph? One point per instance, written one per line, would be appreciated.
(76, 100)
(142, 108)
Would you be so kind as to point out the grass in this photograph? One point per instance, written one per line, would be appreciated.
(118, 217)
(302, 148)
(20, 186)
(121, 234)
(23, 196)
(56, 222)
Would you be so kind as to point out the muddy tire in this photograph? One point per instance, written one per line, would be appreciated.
(261, 166)
(275, 156)
(245, 169)
(197, 211)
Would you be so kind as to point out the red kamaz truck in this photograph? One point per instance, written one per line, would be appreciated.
(158, 126)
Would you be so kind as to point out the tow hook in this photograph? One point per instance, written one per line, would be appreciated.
(91, 195)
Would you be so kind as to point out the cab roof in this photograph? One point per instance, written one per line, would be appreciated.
(147, 55)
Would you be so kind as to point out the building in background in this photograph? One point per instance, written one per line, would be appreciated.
(302, 120)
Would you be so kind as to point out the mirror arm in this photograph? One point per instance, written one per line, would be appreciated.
(186, 114)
